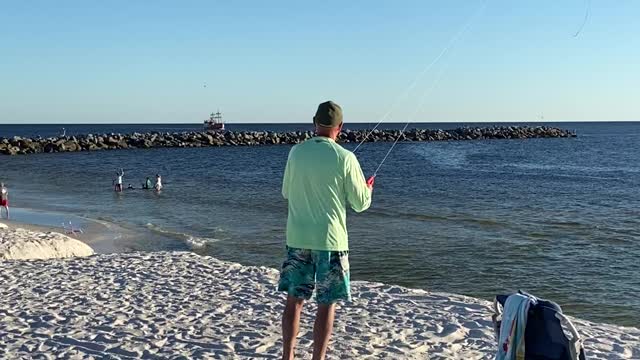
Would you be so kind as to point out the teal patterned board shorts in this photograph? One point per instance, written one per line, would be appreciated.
(325, 271)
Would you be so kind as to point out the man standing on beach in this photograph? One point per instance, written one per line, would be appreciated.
(320, 179)
(4, 199)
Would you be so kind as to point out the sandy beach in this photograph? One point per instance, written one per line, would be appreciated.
(104, 237)
(18, 243)
(180, 305)
(96, 234)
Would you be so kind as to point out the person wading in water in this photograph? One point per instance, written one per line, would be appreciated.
(118, 180)
(4, 199)
(321, 178)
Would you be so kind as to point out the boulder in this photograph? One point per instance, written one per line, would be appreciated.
(71, 146)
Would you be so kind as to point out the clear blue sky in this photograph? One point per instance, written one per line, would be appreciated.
(274, 61)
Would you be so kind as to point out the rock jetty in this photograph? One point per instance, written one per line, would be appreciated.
(19, 145)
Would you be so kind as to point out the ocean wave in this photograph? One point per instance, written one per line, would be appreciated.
(483, 222)
(556, 175)
(575, 168)
(192, 241)
(448, 157)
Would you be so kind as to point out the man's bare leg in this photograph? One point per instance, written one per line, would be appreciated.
(290, 326)
(322, 330)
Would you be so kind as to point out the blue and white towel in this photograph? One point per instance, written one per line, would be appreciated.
(514, 322)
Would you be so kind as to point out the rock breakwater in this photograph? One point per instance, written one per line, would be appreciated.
(90, 142)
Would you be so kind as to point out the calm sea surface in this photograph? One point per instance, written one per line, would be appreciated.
(557, 217)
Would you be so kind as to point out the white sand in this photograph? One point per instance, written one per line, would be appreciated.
(18, 243)
(184, 306)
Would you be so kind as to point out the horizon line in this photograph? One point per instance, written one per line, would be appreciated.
(346, 123)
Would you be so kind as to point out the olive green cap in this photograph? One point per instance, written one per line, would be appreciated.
(329, 115)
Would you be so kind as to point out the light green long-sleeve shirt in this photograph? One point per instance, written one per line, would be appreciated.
(320, 179)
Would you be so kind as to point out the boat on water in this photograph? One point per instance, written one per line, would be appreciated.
(214, 123)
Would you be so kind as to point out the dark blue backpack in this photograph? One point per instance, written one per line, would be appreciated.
(544, 337)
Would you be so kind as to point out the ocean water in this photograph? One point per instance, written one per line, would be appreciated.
(557, 217)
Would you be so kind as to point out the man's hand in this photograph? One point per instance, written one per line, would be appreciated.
(370, 182)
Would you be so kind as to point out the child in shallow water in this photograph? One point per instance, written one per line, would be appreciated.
(158, 185)
(147, 184)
